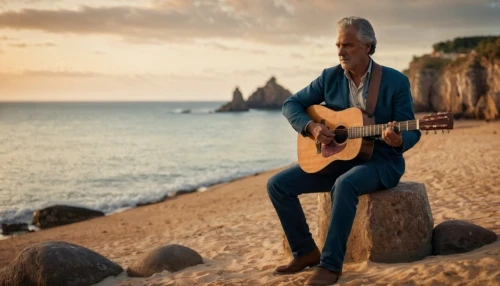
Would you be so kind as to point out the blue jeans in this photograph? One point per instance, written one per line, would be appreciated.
(347, 180)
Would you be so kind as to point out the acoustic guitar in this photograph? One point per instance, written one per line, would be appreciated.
(355, 132)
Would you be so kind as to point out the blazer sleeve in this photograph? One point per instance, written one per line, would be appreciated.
(294, 108)
(403, 111)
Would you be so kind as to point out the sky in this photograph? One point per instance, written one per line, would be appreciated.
(174, 50)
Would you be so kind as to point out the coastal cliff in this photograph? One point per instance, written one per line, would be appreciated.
(461, 76)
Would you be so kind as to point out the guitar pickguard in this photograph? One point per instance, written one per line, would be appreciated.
(331, 149)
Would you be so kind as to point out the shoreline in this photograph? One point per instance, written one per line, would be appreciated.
(169, 196)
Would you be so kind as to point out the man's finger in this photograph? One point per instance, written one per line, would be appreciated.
(327, 133)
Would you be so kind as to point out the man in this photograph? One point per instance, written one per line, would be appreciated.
(341, 87)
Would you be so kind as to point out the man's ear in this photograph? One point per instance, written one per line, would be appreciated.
(368, 48)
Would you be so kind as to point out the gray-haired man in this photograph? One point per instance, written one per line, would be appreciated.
(342, 87)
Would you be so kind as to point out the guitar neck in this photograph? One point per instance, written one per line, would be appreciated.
(374, 130)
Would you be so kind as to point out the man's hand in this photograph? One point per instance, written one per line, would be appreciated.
(320, 132)
(392, 138)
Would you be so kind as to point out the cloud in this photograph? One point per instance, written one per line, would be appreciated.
(223, 47)
(297, 56)
(25, 45)
(6, 38)
(100, 53)
(53, 74)
(274, 22)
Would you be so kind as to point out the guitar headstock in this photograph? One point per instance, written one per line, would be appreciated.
(439, 121)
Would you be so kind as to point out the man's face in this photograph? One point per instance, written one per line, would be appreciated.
(350, 50)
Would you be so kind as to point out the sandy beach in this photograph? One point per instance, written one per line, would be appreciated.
(235, 229)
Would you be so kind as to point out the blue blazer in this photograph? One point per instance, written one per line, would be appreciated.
(394, 103)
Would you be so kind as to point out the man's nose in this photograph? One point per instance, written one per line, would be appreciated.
(341, 51)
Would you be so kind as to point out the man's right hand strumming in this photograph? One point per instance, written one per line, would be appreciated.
(320, 132)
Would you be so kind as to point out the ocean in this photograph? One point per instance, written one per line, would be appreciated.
(112, 156)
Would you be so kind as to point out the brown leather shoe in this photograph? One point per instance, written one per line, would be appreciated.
(322, 277)
(297, 264)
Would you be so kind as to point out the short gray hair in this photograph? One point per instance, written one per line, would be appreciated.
(366, 34)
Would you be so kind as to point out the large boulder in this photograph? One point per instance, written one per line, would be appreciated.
(171, 257)
(271, 96)
(57, 263)
(390, 226)
(237, 104)
(61, 215)
(455, 236)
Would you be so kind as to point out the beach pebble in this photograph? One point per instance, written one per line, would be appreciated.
(456, 236)
(58, 263)
(171, 257)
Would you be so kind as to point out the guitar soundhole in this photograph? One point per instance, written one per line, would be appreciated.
(340, 135)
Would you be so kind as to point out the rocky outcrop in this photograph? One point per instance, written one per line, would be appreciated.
(61, 215)
(271, 96)
(455, 236)
(467, 86)
(237, 104)
(58, 263)
(172, 257)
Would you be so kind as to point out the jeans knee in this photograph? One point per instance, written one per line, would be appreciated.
(343, 184)
(271, 184)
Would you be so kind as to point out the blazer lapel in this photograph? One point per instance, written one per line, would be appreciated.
(344, 90)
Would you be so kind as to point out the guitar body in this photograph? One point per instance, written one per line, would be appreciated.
(341, 148)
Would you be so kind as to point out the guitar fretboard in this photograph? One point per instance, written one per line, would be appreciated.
(374, 130)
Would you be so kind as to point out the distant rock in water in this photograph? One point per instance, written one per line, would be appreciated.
(271, 96)
(237, 104)
(460, 76)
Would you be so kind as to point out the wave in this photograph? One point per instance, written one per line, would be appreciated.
(118, 204)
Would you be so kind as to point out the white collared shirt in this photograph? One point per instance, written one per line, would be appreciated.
(358, 94)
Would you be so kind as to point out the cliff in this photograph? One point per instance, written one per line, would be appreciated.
(464, 80)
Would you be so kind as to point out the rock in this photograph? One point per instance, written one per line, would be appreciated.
(455, 236)
(61, 215)
(58, 263)
(171, 257)
(390, 226)
(237, 104)
(8, 229)
(271, 96)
